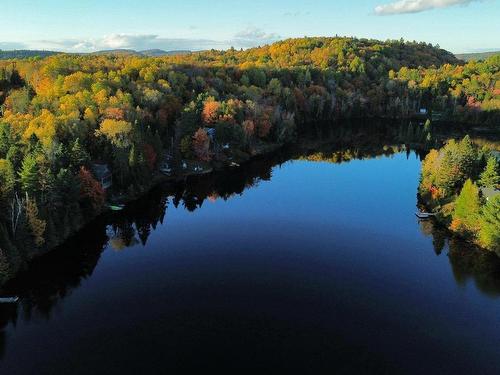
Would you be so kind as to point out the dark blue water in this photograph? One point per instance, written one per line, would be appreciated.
(301, 266)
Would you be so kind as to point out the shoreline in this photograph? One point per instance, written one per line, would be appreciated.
(438, 220)
(158, 178)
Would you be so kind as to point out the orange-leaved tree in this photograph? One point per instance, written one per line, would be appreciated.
(210, 112)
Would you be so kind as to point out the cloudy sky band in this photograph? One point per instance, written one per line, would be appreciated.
(457, 25)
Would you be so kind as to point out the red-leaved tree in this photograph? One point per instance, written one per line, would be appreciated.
(150, 155)
(91, 189)
(201, 145)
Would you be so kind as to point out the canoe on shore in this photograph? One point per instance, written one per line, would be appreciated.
(117, 207)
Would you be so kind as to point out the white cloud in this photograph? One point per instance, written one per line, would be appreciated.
(252, 37)
(137, 42)
(416, 6)
(249, 37)
(69, 45)
(116, 41)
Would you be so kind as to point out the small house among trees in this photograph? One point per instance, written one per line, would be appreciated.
(489, 192)
(103, 174)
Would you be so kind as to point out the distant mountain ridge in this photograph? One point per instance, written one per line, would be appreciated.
(24, 54)
(148, 52)
(160, 52)
(476, 56)
(118, 51)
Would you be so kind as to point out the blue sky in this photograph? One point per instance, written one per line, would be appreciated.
(87, 25)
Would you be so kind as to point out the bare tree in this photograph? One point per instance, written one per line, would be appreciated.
(16, 209)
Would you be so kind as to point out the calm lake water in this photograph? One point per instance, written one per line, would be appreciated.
(290, 265)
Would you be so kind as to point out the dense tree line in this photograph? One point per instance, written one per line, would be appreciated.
(464, 93)
(460, 181)
(62, 114)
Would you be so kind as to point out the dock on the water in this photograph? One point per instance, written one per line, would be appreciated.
(424, 215)
(9, 299)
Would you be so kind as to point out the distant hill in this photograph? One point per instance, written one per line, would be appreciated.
(148, 52)
(125, 52)
(319, 51)
(23, 54)
(476, 56)
(339, 52)
(160, 52)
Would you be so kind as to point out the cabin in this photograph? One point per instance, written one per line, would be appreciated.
(423, 111)
(489, 193)
(103, 174)
(210, 133)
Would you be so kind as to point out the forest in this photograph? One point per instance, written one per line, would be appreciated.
(62, 115)
(460, 181)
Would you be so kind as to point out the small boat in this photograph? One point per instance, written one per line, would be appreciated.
(233, 164)
(424, 215)
(117, 207)
(9, 299)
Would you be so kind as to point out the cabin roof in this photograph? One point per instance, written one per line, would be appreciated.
(489, 192)
(100, 169)
(210, 132)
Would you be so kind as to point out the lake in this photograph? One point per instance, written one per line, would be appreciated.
(302, 262)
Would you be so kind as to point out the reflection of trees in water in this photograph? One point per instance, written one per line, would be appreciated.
(123, 236)
(467, 261)
(52, 277)
(137, 221)
(49, 279)
(225, 185)
(482, 266)
(365, 140)
(439, 235)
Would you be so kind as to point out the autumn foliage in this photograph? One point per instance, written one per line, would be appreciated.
(91, 189)
(249, 128)
(450, 185)
(114, 113)
(126, 111)
(36, 225)
(201, 145)
(264, 123)
(210, 112)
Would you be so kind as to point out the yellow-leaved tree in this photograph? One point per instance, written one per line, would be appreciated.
(116, 131)
(44, 126)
